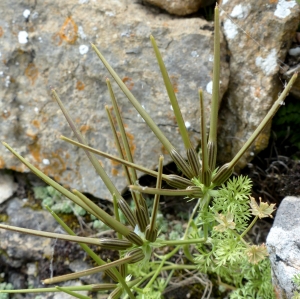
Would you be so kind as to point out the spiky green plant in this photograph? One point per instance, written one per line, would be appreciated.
(214, 241)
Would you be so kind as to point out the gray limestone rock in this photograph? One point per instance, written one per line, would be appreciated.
(7, 186)
(259, 34)
(283, 244)
(47, 44)
(31, 259)
(181, 7)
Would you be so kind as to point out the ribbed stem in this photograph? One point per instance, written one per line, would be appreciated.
(155, 129)
(151, 230)
(216, 84)
(170, 90)
(99, 169)
(265, 121)
(206, 171)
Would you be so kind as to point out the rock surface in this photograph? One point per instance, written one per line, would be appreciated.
(7, 187)
(27, 259)
(47, 44)
(283, 245)
(181, 7)
(259, 34)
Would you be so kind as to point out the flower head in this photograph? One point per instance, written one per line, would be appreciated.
(263, 209)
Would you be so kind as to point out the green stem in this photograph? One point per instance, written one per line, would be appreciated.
(65, 290)
(155, 274)
(99, 169)
(157, 196)
(249, 227)
(181, 242)
(172, 96)
(90, 288)
(186, 250)
(117, 159)
(216, 80)
(155, 129)
(264, 122)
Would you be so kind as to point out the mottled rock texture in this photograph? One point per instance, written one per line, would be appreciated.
(283, 246)
(180, 7)
(47, 44)
(259, 34)
(7, 186)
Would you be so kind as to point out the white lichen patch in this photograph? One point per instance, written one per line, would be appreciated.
(187, 124)
(26, 13)
(83, 49)
(230, 29)
(7, 81)
(23, 37)
(209, 87)
(81, 32)
(240, 11)
(110, 14)
(283, 8)
(224, 2)
(46, 162)
(268, 64)
(194, 54)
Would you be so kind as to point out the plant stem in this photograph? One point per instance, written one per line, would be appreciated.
(182, 242)
(249, 227)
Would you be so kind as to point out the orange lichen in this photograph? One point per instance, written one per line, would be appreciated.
(69, 31)
(132, 145)
(114, 171)
(5, 114)
(114, 163)
(31, 134)
(34, 150)
(174, 82)
(19, 168)
(257, 92)
(31, 72)
(1, 31)
(57, 164)
(36, 123)
(2, 163)
(79, 85)
(56, 39)
(128, 82)
(163, 150)
(273, 1)
(84, 128)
